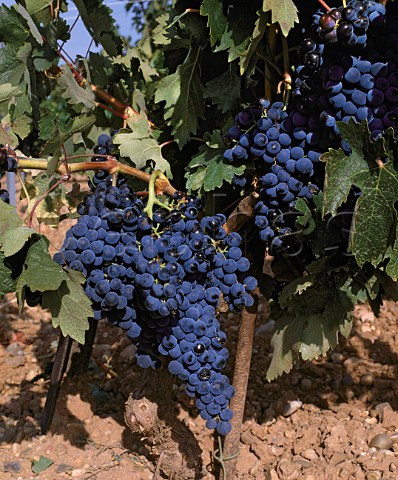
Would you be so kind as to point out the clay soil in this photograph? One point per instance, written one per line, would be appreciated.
(316, 423)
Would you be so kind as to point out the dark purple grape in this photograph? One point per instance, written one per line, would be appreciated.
(327, 22)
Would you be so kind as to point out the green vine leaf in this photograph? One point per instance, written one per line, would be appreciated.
(73, 93)
(80, 123)
(375, 217)
(48, 210)
(284, 12)
(315, 309)
(31, 24)
(70, 307)
(255, 39)
(207, 169)
(224, 90)
(165, 31)
(13, 234)
(39, 10)
(140, 146)
(100, 24)
(7, 91)
(183, 93)
(216, 20)
(134, 57)
(7, 284)
(41, 273)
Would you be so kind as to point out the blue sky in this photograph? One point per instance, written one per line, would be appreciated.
(80, 40)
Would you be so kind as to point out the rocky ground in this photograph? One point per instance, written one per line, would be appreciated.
(332, 419)
(319, 422)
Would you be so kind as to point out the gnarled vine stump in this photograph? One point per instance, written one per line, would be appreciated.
(150, 413)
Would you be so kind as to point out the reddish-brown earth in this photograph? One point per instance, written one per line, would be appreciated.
(316, 423)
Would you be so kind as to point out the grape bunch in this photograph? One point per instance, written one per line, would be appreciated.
(285, 145)
(349, 25)
(162, 279)
(7, 164)
(361, 84)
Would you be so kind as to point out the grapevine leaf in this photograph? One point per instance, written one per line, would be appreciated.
(14, 239)
(7, 136)
(284, 342)
(235, 48)
(21, 126)
(316, 308)
(216, 20)
(73, 92)
(284, 12)
(392, 265)
(48, 210)
(195, 180)
(77, 124)
(210, 171)
(37, 262)
(98, 20)
(255, 39)
(42, 464)
(31, 24)
(48, 123)
(134, 54)
(7, 284)
(39, 10)
(374, 217)
(141, 146)
(164, 32)
(183, 93)
(70, 307)
(324, 235)
(13, 234)
(239, 31)
(8, 91)
(12, 63)
(12, 32)
(224, 90)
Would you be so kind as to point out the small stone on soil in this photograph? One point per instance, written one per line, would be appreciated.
(381, 441)
(292, 407)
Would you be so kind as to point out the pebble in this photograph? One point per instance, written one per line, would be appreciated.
(63, 468)
(292, 407)
(13, 467)
(352, 362)
(367, 379)
(371, 421)
(347, 380)
(14, 349)
(306, 384)
(78, 472)
(381, 441)
(309, 454)
(381, 409)
(248, 438)
(302, 462)
(337, 357)
(373, 476)
(128, 354)
(16, 361)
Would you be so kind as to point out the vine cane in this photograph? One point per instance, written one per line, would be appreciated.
(240, 381)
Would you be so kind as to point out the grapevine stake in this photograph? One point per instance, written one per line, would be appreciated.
(240, 382)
